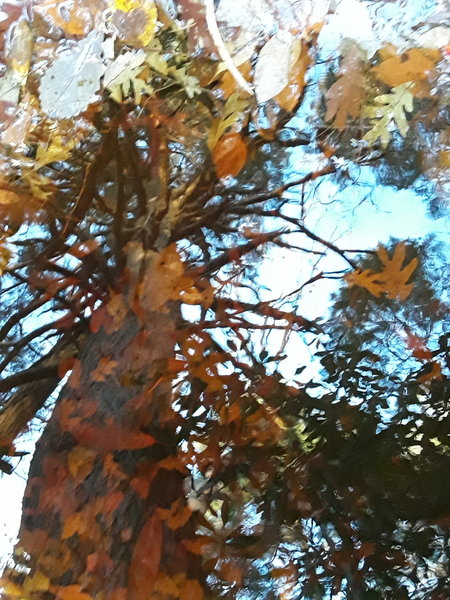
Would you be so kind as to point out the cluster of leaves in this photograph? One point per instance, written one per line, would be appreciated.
(176, 463)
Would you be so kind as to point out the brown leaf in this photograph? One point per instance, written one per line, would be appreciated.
(110, 438)
(192, 590)
(230, 155)
(144, 566)
(346, 95)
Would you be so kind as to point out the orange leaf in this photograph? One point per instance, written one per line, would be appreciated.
(66, 365)
(197, 545)
(176, 516)
(412, 65)
(83, 248)
(75, 376)
(192, 590)
(111, 438)
(72, 592)
(105, 367)
(146, 559)
(229, 155)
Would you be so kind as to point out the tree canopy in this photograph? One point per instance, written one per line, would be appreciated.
(155, 159)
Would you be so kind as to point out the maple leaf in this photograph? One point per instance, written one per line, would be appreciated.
(345, 96)
(389, 110)
(392, 281)
(394, 277)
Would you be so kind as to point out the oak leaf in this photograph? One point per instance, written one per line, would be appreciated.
(395, 277)
(105, 367)
(392, 280)
(345, 96)
(387, 111)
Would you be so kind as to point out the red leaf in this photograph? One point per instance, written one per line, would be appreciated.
(110, 438)
(146, 559)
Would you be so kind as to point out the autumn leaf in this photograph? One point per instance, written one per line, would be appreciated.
(231, 114)
(388, 110)
(145, 562)
(140, 22)
(413, 65)
(110, 438)
(104, 369)
(392, 280)
(81, 462)
(192, 590)
(230, 155)
(176, 516)
(74, 18)
(345, 96)
(72, 592)
(394, 276)
(289, 97)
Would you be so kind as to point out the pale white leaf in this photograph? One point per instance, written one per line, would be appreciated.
(70, 83)
(10, 85)
(272, 68)
(125, 67)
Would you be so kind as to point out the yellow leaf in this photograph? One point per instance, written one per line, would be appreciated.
(72, 592)
(75, 523)
(392, 280)
(81, 462)
(56, 149)
(192, 590)
(166, 585)
(394, 277)
(146, 14)
(38, 582)
(230, 155)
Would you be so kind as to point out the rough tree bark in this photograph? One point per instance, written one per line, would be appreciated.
(105, 474)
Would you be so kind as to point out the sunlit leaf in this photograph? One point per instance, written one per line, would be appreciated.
(70, 83)
(273, 67)
(387, 111)
(230, 155)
